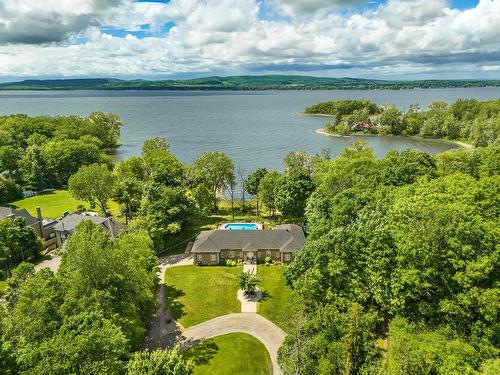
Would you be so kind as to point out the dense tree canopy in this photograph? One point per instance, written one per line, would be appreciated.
(404, 250)
(291, 192)
(18, 242)
(43, 152)
(159, 362)
(88, 317)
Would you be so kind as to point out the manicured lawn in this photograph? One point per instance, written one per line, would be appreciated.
(232, 354)
(276, 295)
(53, 205)
(196, 294)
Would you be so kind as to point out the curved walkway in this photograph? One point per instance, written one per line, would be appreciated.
(164, 331)
(253, 324)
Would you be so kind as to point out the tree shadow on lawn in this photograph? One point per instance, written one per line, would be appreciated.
(202, 352)
(172, 302)
(264, 295)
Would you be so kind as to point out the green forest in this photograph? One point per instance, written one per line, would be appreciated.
(400, 270)
(468, 120)
(43, 152)
(399, 274)
(264, 82)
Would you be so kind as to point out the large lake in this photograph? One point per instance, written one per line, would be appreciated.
(254, 128)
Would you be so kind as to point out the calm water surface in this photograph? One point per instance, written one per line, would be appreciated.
(254, 128)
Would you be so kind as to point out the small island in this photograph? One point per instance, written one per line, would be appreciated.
(467, 122)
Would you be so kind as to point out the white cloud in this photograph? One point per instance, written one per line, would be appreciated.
(34, 21)
(301, 7)
(230, 36)
(399, 13)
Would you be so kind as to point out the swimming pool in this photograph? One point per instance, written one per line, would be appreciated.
(241, 226)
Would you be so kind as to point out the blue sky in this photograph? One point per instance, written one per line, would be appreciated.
(399, 39)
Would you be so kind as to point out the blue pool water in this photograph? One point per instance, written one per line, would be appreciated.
(241, 226)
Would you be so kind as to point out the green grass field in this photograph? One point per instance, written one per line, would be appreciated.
(53, 205)
(197, 294)
(232, 354)
(277, 295)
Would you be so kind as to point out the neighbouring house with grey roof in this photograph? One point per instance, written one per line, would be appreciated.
(213, 247)
(34, 222)
(66, 226)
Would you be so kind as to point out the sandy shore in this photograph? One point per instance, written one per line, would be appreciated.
(324, 132)
(315, 114)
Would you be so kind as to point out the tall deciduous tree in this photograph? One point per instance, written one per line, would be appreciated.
(159, 362)
(93, 184)
(155, 144)
(216, 169)
(392, 121)
(18, 242)
(252, 183)
(267, 190)
(292, 191)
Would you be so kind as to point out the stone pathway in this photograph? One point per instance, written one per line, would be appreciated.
(252, 268)
(249, 304)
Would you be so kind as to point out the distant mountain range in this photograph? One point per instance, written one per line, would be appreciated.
(267, 82)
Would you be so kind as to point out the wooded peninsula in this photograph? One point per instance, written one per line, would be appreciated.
(467, 120)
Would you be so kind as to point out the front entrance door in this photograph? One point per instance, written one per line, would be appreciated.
(250, 256)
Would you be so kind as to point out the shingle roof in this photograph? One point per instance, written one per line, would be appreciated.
(71, 221)
(7, 211)
(286, 238)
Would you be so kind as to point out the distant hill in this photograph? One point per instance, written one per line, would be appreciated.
(267, 82)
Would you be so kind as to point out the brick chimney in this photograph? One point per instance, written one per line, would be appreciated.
(40, 221)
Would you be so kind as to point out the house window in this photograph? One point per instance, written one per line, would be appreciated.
(268, 253)
(213, 257)
(199, 257)
(287, 257)
(259, 254)
(231, 254)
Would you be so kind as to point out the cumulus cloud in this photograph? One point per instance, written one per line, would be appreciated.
(310, 6)
(33, 21)
(398, 13)
(228, 36)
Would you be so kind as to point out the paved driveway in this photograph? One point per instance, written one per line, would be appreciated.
(253, 324)
(163, 329)
(52, 263)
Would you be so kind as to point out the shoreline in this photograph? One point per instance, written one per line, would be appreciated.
(315, 114)
(461, 144)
